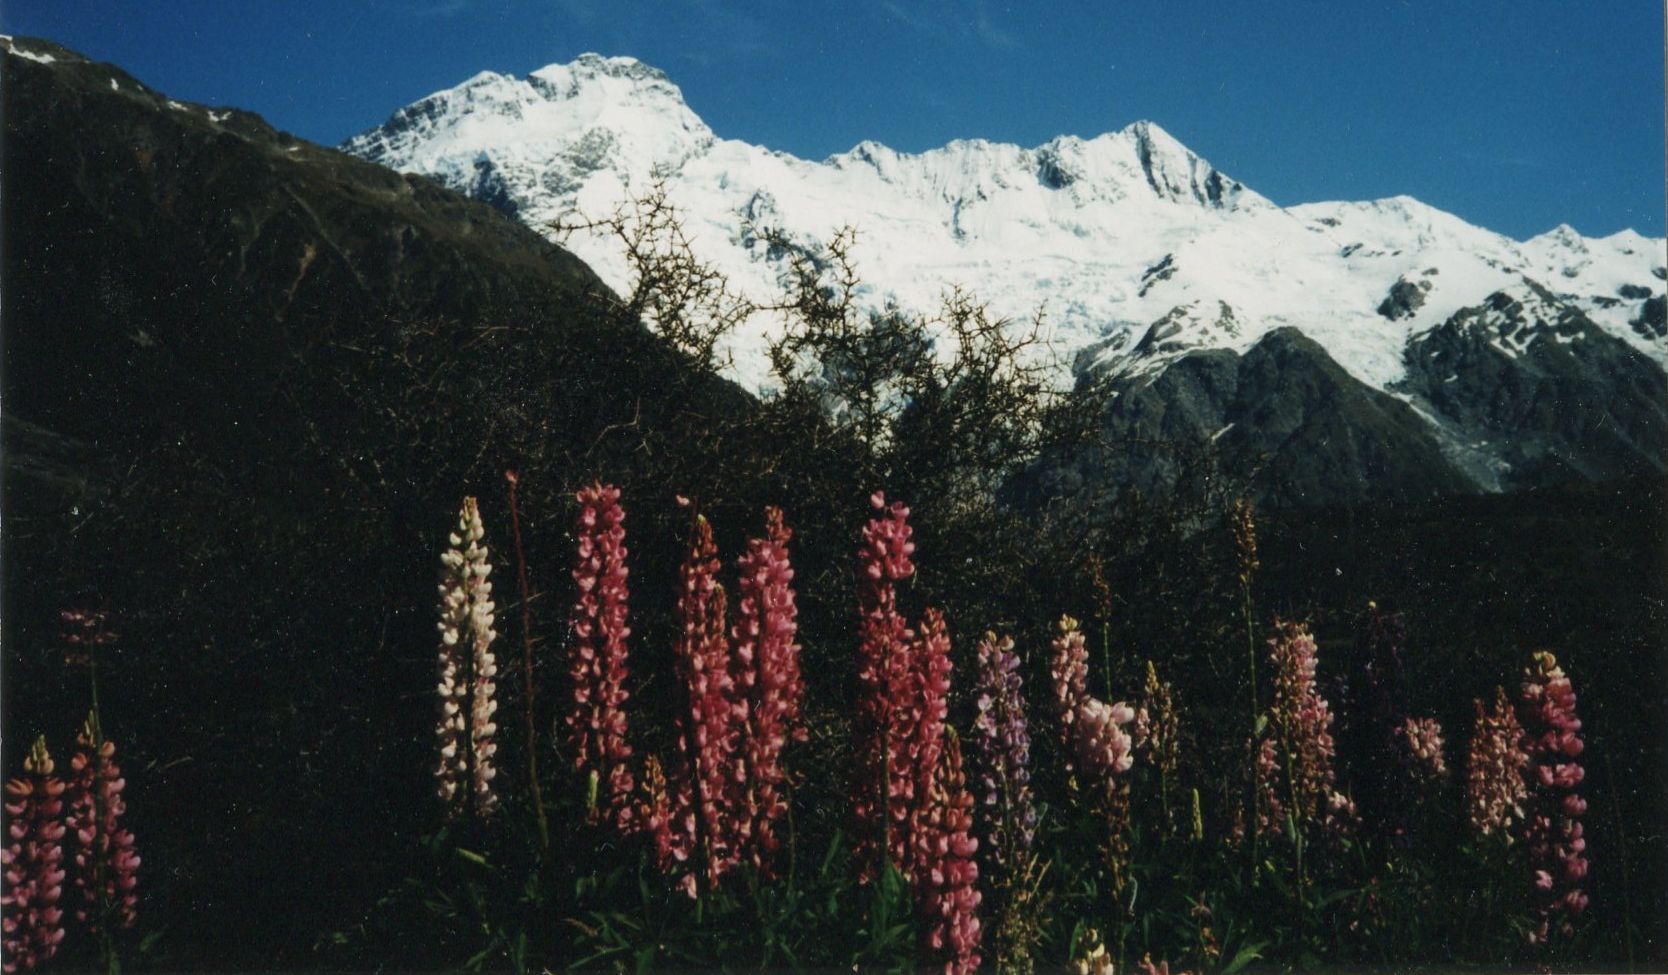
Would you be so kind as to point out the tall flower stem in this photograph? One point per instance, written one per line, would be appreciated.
(1243, 522)
(85, 633)
(527, 668)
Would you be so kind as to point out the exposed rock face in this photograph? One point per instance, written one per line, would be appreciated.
(1405, 298)
(1522, 391)
(1653, 318)
(1285, 414)
(1527, 391)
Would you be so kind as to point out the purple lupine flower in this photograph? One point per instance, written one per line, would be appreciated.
(1002, 746)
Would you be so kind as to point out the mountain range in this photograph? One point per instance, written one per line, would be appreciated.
(1341, 351)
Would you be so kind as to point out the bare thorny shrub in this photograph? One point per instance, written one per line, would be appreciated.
(687, 301)
(948, 405)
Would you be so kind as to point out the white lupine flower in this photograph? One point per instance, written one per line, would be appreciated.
(466, 602)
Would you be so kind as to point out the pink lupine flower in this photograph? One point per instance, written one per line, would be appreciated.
(946, 873)
(1146, 967)
(105, 860)
(1102, 743)
(1557, 844)
(1421, 743)
(1301, 721)
(31, 922)
(84, 633)
(597, 723)
(768, 678)
(707, 784)
(1096, 742)
(1271, 809)
(670, 823)
(883, 670)
(1069, 669)
(918, 714)
(1495, 791)
(466, 676)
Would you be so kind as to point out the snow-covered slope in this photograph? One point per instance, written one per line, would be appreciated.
(1107, 235)
(1518, 362)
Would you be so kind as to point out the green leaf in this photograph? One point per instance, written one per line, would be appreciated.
(645, 958)
(1246, 956)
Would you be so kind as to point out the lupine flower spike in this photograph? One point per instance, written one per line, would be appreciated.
(1092, 956)
(467, 668)
(705, 788)
(1557, 844)
(105, 861)
(1158, 735)
(1495, 791)
(1002, 745)
(947, 875)
(1421, 748)
(597, 723)
(30, 918)
(1002, 749)
(1294, 766)
(768, 679)
(1097, 746)
(919, 707)
(1096, 741)
(883, 652)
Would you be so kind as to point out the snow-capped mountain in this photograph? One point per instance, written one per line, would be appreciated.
(1138, 251)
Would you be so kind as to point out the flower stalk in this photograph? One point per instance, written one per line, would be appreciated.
(1557, 842)
(527, 710)
(1495, 791)
(883, 670)
(768, 679)
(467, 672)
(31, 920)
(106, 862)
(597, 657)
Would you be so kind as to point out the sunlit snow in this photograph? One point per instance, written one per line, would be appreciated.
(1107, 235)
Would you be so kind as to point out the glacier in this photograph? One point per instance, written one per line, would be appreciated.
(1123, 236)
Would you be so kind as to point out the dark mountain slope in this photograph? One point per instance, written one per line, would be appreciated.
(1284, 418)
(246, 381)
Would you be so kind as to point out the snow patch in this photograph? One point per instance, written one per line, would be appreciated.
(33, 55)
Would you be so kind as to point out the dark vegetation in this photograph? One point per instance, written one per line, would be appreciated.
(246, 380)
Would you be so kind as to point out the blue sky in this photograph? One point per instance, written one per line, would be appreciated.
(1514, 115)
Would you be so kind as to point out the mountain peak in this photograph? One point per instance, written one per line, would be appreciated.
(597, 112)
(620, 75)
(1175, 172)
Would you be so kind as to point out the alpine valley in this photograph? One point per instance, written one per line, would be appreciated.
(247, 380)
(1331, 352)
